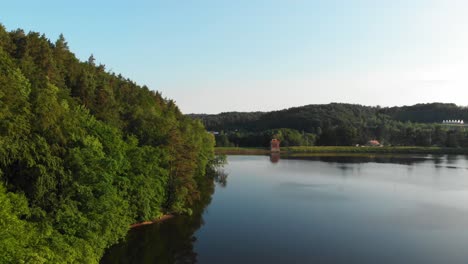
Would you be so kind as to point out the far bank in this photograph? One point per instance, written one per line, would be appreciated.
(342, 150)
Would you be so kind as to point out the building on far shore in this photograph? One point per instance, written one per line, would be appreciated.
(456, 124)
(373, 143)
(453, 122)
(275, 145)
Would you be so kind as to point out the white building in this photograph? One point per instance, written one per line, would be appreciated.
(453, 122)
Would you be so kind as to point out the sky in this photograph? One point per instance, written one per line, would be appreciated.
(253, 55)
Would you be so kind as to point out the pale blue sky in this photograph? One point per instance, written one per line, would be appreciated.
(216, 56)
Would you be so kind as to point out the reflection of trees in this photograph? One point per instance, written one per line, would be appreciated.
(171, 241)
(220, 177)
(396, 159)
(451, 159)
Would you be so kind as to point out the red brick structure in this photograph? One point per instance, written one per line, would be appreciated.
(374, 143)
(275, 145)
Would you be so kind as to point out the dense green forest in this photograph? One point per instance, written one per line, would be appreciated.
(84, 153)
(341, 125)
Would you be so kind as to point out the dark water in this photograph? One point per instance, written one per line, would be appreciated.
(320, 210)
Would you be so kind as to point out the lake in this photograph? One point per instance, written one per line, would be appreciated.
(400, 209)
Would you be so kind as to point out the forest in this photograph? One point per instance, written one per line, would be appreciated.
(339, 124)
(85, 153)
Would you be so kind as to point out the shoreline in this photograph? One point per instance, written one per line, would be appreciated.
(154, 221)
(341, 150)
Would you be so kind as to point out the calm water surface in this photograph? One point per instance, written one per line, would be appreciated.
(411, 209)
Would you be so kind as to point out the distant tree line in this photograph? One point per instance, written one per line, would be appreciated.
(288, 137)
(342, 125)
(84, 153)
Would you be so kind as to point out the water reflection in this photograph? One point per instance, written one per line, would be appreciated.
(274, 157)
(221, 178)
(445, 161)
(401, 209)
(171, 241)
(398, 159)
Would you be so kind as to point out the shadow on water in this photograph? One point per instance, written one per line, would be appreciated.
(331, 211)
(395, 159)
(171, 241)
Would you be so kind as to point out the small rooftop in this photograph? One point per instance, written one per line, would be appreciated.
(453, 121)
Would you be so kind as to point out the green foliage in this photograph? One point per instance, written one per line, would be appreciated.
(427, 113)
(383, 150)
(291, 137)
(341, 125)
(15, 234)
(303, 151)
(85, 153)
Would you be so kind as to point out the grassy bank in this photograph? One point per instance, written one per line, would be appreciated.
(343, 149)
(241, 151)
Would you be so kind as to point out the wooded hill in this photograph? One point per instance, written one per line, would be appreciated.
(341, 124)
(84, 153)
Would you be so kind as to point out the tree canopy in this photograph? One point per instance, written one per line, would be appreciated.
(339, 124)
(84, 153)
